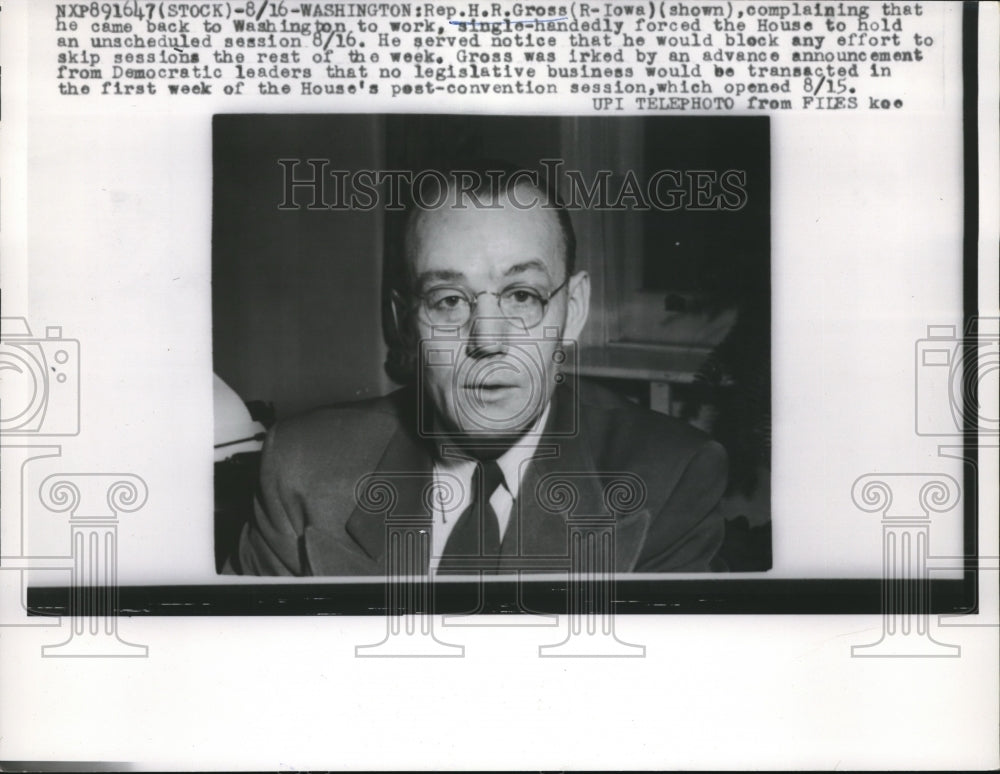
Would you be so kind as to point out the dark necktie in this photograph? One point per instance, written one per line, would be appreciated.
(477, 531)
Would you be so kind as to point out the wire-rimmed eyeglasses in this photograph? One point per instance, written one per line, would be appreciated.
(453, 306)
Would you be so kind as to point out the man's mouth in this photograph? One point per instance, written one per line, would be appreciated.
(485, 394)
(490, 389)
(489, 385)
(492, 383)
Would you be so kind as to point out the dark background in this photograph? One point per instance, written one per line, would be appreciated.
(297, 292)
(680, 313)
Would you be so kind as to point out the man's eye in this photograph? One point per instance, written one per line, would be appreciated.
(447, 302)
(522, 296)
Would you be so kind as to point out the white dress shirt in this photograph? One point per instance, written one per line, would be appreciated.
(447, 470)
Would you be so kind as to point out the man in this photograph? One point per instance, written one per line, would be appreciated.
(494, 444)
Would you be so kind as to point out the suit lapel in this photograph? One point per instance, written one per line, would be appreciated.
(565, 454)
(406, 467)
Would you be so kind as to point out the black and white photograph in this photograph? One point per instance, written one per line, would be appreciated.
(411, 320)
(451, 386)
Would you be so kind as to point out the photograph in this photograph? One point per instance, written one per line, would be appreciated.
(501, 325)
(588, 386)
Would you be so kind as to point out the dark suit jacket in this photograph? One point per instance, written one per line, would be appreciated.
(307, 521)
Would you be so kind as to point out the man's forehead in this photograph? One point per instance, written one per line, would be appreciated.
(505, 233)
(502, 214)
(511, 269)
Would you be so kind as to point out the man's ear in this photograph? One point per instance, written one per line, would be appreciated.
(400, 363)
(578, 305)
(398, 318)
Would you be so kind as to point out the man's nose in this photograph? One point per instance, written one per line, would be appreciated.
(487, 336)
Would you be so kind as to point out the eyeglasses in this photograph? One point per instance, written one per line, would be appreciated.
(453, 306)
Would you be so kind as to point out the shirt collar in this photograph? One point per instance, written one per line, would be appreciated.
(510, 462)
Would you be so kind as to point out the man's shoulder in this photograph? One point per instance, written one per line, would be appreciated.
(619, 428)
(663, 451)
(338, 432)
(386, 409)
(619, 433)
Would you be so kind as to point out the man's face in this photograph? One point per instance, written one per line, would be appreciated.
(493, 376)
